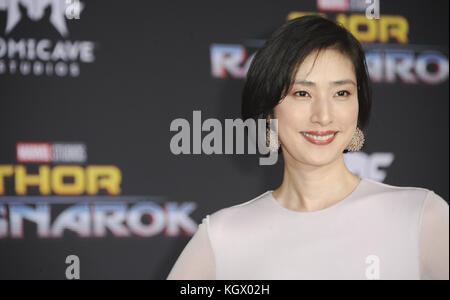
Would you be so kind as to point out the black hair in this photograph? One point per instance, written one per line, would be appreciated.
(272, 70)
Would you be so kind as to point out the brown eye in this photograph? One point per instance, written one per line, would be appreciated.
(343, 93)
(301, 93)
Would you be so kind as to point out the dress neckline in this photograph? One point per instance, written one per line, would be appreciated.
(323, 211)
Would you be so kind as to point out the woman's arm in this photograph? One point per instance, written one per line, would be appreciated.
(196, 261)
(434, 238)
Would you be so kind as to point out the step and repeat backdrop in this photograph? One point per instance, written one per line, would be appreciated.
(95, 94)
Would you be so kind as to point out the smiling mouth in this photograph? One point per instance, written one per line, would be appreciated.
(323, 139)
(320, 133)
(325, 136)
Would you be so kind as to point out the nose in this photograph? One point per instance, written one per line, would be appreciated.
(321, 112)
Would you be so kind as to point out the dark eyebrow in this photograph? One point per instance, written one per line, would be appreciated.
(345, 81)
(338, 82)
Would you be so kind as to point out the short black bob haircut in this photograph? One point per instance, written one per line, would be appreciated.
(272, 71)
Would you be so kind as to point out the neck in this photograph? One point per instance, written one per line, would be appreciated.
(309, 188)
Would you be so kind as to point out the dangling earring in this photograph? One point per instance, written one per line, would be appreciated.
(272, 141)
(357, 141)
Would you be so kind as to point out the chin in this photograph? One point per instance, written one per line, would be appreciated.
(321, 162)
(318, 159)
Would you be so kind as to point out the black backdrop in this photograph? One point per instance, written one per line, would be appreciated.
(144, 64)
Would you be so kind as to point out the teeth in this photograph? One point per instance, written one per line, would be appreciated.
(318, 138)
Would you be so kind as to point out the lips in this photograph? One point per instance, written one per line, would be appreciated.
(320, 133)
(319, 137)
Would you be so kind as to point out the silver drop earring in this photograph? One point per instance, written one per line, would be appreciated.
(272, 141)
(357, 141)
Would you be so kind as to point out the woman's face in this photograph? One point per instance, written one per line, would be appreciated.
(323, 97)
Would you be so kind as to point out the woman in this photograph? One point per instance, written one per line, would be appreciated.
(323, 222)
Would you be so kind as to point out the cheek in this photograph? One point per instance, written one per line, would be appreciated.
(292, 118)
(348, 114)
(289, 116)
